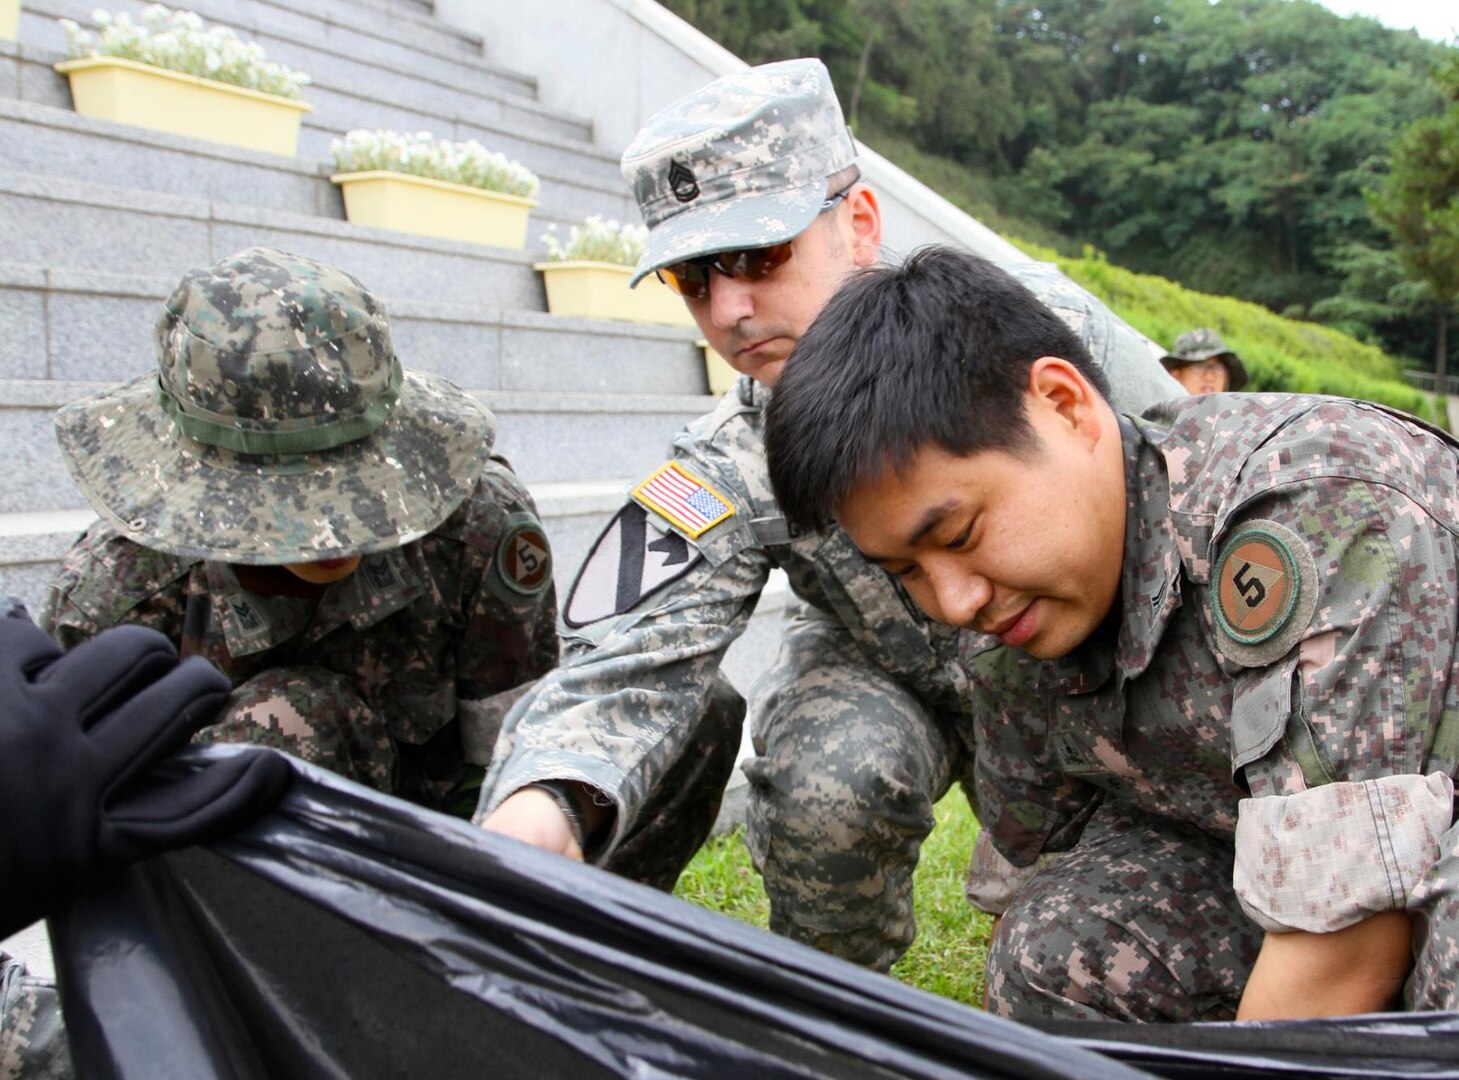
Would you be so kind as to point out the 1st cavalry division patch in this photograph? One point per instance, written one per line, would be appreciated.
(1264, 592)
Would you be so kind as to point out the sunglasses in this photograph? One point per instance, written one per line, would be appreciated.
(690, 278)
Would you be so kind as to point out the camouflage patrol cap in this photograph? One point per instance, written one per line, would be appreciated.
(279, 427)
(1194, 346)
(741, 163)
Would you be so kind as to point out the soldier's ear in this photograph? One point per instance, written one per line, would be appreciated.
(864, 213)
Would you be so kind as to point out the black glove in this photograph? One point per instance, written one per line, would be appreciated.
(79, 733)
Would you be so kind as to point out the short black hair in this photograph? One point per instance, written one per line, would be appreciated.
(933, 352)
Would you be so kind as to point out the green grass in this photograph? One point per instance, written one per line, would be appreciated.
(952, 937)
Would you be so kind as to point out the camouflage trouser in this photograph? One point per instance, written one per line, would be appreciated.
(678, 817)
(314, 714)
(1139, 922)
(847, 769)
(32, 1037)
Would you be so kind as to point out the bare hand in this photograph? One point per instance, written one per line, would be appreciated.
(533, 816)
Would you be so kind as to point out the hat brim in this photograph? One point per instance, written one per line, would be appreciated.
(731, 224)
(169, 492)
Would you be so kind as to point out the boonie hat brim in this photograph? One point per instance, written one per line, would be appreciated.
(1236, 376)
(167, 491)
(747, 221)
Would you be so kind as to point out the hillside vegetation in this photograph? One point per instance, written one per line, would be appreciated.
(1280, 354)
(1233, 146)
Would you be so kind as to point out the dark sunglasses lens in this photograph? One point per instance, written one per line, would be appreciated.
(687, 279)
(691, 278)
(754, 263)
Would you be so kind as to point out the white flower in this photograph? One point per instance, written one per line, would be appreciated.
(180, 41)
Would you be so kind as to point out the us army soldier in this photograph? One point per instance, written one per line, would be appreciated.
(331, 530)
(756, 213)
(1225, 631)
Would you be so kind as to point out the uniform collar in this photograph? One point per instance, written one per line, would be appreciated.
(381, 585)
(1150, 578)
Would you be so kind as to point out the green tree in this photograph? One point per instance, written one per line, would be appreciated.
(1419, 204)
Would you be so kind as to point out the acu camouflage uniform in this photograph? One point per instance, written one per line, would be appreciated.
(858, 729)
(279, 428)
(32, 1036)
(1265, 739)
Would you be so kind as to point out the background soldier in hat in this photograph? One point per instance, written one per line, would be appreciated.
(756, 214)
(1203, 365)
(1229, 625)
(329, 529)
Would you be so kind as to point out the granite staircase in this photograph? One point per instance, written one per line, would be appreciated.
(98, 220)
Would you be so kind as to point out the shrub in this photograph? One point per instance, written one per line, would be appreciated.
(1279, 353)
(598, 239)
(421, 154)
(179, 41)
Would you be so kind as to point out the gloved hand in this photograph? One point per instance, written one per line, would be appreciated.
(78, 734)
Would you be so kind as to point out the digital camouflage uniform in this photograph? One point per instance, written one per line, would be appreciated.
(1266, 739)
(856, 728)
(281, 428)
(393, 678)
(32, 1036)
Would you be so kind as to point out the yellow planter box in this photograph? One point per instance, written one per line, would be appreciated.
(417, 204)
(599, 290)
(112, 88)
(721, 375)
(9, 18)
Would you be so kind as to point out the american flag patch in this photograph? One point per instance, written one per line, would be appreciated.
(682, 499)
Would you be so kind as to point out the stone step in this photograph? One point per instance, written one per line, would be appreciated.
(45, 140)
(54, 221)
(87, 326)
(417, 59)
(548, 436)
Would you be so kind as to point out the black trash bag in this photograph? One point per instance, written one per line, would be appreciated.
(349, 934)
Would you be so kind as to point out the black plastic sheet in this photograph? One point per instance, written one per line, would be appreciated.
(349, 934)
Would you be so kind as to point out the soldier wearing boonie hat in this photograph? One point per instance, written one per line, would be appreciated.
(1203, 365)
(332, 530)
(756, 213)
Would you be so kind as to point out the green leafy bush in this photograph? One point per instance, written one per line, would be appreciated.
(1280, 354)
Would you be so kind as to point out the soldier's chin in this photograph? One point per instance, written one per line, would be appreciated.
(767, 374)
(324, 571)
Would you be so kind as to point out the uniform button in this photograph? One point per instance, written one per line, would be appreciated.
(230, 388)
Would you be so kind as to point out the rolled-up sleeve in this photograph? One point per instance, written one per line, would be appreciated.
(1326, 858)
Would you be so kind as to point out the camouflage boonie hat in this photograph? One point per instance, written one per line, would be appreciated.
(741, 163)
(279, 427)
(1194, 346)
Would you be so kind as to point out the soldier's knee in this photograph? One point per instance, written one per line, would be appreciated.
(313, 713)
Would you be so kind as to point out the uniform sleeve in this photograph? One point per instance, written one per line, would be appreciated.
(509, 638)
(633, 685)
(1339, 704)
(105, 580)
